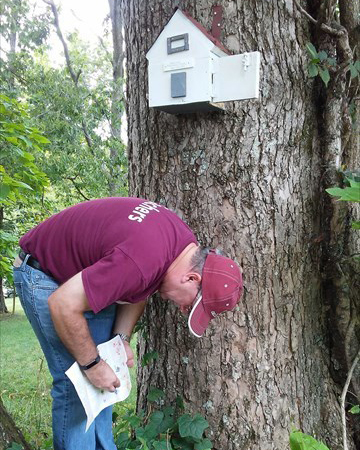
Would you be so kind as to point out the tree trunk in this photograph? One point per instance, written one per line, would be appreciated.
(3, 308)
(9, 432)
(117, 99)
(252, 181)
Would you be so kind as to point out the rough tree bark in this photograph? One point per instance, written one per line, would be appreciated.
(9, 432)
(252, 180)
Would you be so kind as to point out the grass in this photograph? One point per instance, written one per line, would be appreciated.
(25, 381)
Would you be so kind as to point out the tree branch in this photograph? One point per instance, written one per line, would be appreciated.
(103, 46)
(61, 37)
(339, 32)
(72, 179)
(17, 76)
(74, 76)
(87, 136)
(343, 397)
(322, 26)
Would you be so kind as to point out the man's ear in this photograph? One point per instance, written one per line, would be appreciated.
(192, 277)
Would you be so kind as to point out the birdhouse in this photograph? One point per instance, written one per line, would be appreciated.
(190, 70)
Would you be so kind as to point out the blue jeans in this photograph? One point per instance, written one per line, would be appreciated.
(68, 416)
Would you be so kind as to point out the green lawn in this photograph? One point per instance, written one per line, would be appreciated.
(25, 381)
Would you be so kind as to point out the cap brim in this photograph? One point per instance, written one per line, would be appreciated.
(198, 319)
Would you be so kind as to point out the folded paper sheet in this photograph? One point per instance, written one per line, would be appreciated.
(93, 399)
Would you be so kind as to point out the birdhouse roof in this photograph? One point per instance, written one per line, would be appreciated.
(201, 28)
(205, 32)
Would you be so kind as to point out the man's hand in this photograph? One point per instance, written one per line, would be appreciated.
(103, 377)
(129, 354)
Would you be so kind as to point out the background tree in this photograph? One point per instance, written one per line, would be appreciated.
(9, 433)
(21, 31)
(117, 95)
(252, 180)
(72, 103)
(99, 106)
(21, 182)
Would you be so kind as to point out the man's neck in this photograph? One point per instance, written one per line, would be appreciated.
(183, 261)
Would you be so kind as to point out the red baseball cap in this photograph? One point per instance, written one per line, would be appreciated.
(221, 288)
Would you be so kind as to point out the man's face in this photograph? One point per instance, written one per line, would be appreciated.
(181, 290)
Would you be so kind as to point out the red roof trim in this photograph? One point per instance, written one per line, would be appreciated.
(204, 31)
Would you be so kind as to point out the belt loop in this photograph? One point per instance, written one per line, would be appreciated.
(24, 263)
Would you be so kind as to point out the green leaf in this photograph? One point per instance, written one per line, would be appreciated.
(133, 420)
(355, 225)
(8, 237)
(26, 141)
(180, 402)
(4, 191)
(21, 184)
(351, 194)
(353, 71)
(168, 421)
(144, 444)
(205, 444)
(357, 65)
(311, 50)
(11, 139)
(39, 138)
(322, 55)
(162, 445)
(152, 429)
(122, 441)
(182, 444)
(301, 441)
(313, 70)
(355, 409)
(324, 75)
(353, 182)
(15, 446)
(155, 394)
(148, 357)
(331, 62)
(28, 156)
(192, 426)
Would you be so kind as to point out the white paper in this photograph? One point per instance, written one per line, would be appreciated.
(93, 399)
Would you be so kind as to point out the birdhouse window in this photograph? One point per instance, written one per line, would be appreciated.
(178, 84)
(178, 43)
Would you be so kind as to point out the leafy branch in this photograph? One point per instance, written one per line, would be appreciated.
(350, 193)
(322, 64)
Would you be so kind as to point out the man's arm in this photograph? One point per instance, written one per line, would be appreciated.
(126, 318)
(67, 306)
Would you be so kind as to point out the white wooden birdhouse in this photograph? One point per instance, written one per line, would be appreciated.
(190, 70)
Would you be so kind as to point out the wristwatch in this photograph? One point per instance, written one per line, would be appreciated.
(91, 364)
(123, 337)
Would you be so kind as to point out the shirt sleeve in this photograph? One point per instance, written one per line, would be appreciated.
(112, 278)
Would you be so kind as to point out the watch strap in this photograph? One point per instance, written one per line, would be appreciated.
(123, 337)
(91, 364)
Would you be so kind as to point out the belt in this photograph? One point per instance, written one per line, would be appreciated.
(31, 261)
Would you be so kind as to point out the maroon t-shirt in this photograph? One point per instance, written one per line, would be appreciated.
(122, 246)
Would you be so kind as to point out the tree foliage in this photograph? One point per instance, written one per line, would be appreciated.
(75, 114)
(22, 182)
(70, 103)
